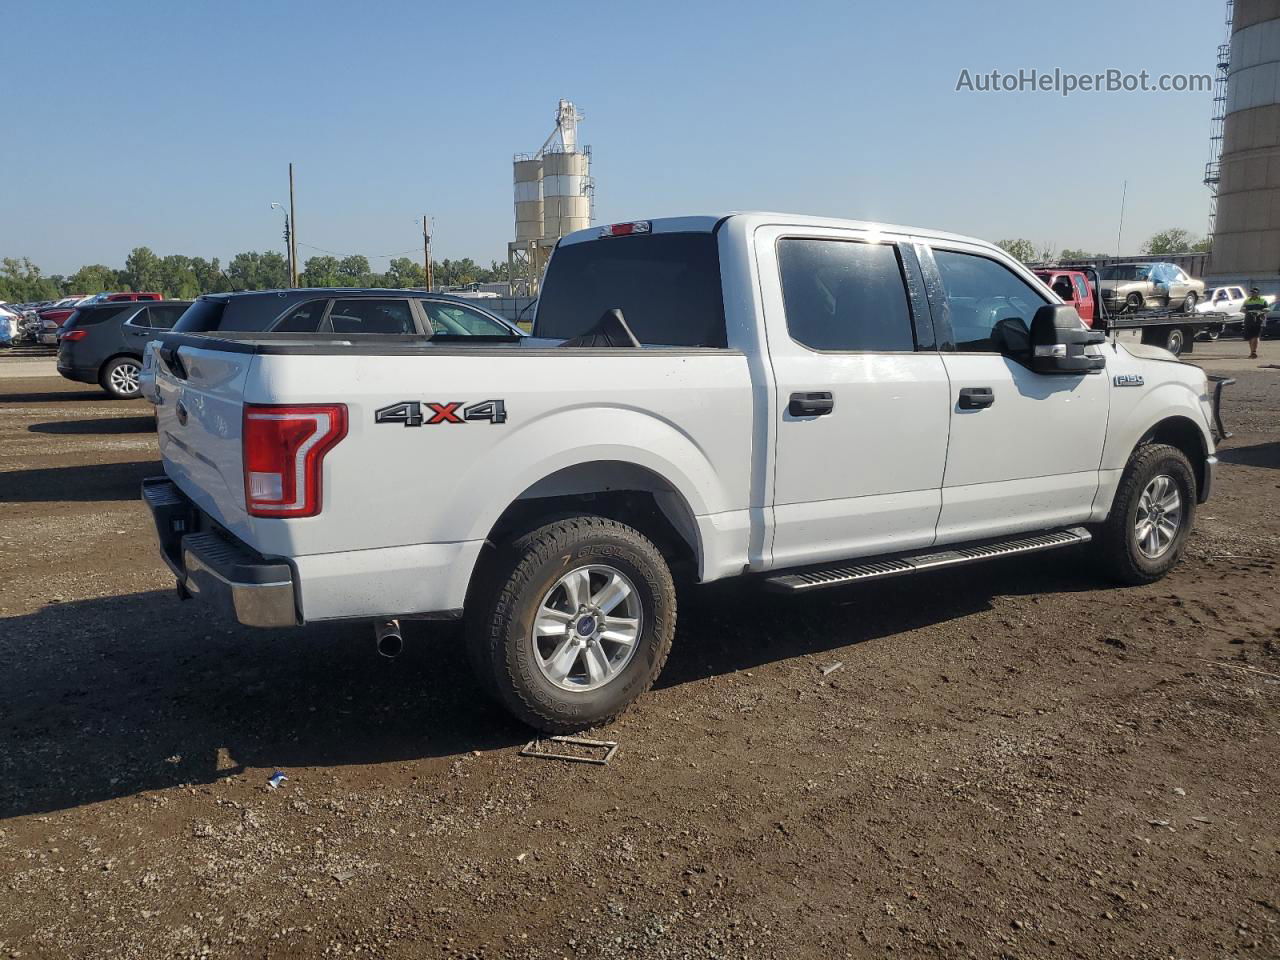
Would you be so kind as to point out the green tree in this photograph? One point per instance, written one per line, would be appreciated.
(21, 281)
(353, 271)
(320, 272)
(93, 278)
(1019, 249)
(178, 278)
(142, 270)
(1202, 246)
(403, 272)
(1173, 240)
(1069, 253)
(209, 275)
(258, 271)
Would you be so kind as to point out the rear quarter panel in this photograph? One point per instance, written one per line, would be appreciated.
(685, 416)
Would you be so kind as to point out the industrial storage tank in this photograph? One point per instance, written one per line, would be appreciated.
(566, 202)
(529, 203)
(1246, 237)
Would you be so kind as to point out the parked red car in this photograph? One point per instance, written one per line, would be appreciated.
(1073, 287)
(57, 313)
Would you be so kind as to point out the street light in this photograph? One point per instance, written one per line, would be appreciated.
(288, 247)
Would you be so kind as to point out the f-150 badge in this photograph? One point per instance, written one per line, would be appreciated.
(1128, 380)
(412, 413)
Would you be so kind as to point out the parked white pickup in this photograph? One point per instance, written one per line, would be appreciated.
(809, 401)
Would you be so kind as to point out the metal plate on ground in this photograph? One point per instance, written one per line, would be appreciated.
(598, 752)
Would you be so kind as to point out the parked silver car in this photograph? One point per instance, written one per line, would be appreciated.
(1143, 286)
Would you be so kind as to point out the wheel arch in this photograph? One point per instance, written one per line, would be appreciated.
(1183, 434)
(621, 490)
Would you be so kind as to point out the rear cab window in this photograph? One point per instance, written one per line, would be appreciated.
(667, 286)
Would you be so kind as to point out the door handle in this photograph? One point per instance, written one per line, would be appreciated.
(810, 404)
(976, 398)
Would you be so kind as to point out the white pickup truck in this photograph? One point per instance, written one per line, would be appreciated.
(810, 402)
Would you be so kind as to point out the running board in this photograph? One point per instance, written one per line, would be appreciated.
(835, 575)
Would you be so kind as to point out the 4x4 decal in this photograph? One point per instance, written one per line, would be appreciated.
(409, 413)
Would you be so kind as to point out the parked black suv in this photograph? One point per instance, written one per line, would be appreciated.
(103, 343)
(343, 311)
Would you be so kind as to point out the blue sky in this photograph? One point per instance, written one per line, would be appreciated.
(171, 124)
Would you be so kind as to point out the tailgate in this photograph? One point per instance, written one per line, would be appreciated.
(199, 399)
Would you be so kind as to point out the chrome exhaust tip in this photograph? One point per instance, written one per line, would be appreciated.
(389, 641)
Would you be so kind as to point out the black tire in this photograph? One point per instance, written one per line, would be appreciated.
(524, 572)
(1175, 341)
(1133, 301)
(116, 376)
(1116, 541)
(1189, 303)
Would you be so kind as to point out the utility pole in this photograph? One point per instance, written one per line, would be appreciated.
(288, 252)
(293, 236)
(426, 253)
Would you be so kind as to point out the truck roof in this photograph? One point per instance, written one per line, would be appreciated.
(705, 223)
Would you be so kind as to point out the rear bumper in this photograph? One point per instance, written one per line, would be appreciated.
(426, 580)
(79, 374)
(216, 568)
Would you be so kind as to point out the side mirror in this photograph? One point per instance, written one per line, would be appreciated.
(1058, 341)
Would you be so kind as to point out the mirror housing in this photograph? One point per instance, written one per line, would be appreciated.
(1058, 341)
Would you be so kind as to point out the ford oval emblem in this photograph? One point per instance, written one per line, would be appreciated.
(181, 411)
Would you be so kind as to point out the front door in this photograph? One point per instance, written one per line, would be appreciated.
(1025, 447)
(862, 396)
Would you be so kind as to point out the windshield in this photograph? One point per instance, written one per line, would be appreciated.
(667, 286)
(1126, 271)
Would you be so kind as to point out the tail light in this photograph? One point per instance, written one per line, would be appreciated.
(284, 448)
(73, 335)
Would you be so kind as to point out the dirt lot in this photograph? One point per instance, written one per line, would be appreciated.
(1016, 761)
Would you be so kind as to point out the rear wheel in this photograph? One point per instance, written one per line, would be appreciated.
(120, 378)
(1175, 341)
(1189, 303)
(573, 622)
(1151, 516)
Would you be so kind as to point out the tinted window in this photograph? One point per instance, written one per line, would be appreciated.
(164, 317)
(371, 316)
(203, 315)
(982, 295)
(86, 318)
(667, 286)
(842, 295)
(1127, 271)
(450, 318)
(304, 318)
(1083, 292)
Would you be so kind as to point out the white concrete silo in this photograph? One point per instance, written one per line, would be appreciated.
(1246, 241)
(565, 197)
(529, 198)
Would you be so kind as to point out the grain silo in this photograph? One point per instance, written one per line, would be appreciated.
(529, 204)
(1246, 235)
(553, 197)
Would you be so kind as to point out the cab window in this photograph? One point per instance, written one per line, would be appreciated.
(845, 295)
(304, 318)
(984, 298)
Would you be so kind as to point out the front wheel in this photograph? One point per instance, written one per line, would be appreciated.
(1175, 341)
(1151, 516)
(572, 623)
(1189, 304)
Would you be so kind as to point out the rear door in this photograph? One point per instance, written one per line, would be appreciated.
(862, 407)
(1024, 447)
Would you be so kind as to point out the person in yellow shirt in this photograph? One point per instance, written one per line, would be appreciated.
(1255, 309)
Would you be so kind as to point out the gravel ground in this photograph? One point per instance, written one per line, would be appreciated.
(1013, 761)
